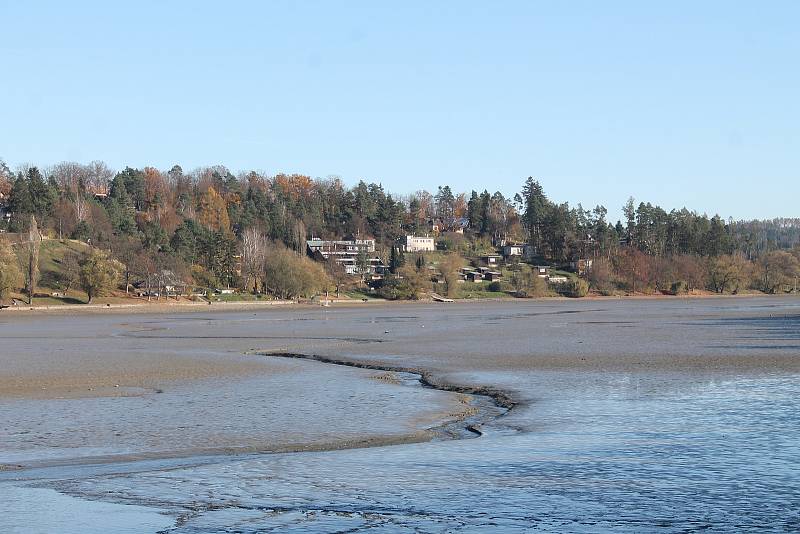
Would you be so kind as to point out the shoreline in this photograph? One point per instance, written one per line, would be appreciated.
(189, 307)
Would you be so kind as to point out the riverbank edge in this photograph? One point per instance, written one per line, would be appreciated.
(191, 307)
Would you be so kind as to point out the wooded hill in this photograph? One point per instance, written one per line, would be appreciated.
(214, 228)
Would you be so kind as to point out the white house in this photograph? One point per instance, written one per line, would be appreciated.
(513, 250)
(412, 243)
(346, 253)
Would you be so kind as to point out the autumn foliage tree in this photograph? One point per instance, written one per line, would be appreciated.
(213, 212)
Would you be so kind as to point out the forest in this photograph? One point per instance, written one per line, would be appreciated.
(211, 228)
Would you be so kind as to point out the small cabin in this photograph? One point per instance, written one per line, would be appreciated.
(492, 276)
(474, 276)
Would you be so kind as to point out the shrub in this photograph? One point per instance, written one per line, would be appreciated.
(409, 285)
(287, 275)
(495, 286)
(450, 267)
(527, 283)
(601, 276)
(679, 288)
(576, 288)
(10, 275)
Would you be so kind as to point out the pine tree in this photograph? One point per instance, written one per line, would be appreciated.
(41, 195)
(20, 203)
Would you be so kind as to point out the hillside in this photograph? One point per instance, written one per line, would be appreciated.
(58, 283)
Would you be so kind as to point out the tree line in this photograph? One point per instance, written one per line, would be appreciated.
(215, 228)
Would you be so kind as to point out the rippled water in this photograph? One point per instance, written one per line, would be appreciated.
(720, 455)
(589, 450)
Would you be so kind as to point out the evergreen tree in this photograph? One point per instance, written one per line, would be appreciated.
(535, 205)
(474, 211)
(20, 204)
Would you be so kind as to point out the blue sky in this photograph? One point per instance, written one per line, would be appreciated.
(691, 104)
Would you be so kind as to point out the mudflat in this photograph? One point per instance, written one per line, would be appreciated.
(624, 413)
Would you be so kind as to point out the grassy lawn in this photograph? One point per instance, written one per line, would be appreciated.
(359, 294)
(51, 263)
(480, 291)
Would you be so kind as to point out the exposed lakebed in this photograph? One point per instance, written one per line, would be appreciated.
(630, 415)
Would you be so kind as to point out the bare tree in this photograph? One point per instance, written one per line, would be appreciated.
(337, 272)
(98, 176)
(254, 246)
(32, 245)
(72, 177)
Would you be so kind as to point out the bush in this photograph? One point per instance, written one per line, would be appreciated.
(527, 283)
(408, 285)
(289, 276)
(601, 276)
(679, 288)
(495, 286)
(450, 267)
(10, 275)
(576, 288)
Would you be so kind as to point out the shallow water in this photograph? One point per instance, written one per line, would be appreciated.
(628, 444)
(300, 406)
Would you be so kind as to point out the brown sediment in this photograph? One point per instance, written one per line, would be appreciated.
(389, 378)
(501, 398)
(127, 376)
(202, 453)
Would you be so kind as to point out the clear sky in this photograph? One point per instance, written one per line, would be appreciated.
(680, 103)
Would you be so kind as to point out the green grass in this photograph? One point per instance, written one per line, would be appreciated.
(360, 294)
(480, 290)
(52, 253)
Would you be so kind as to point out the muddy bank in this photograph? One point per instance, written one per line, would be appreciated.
(80, 390)
(185, 306)
(503, 399)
